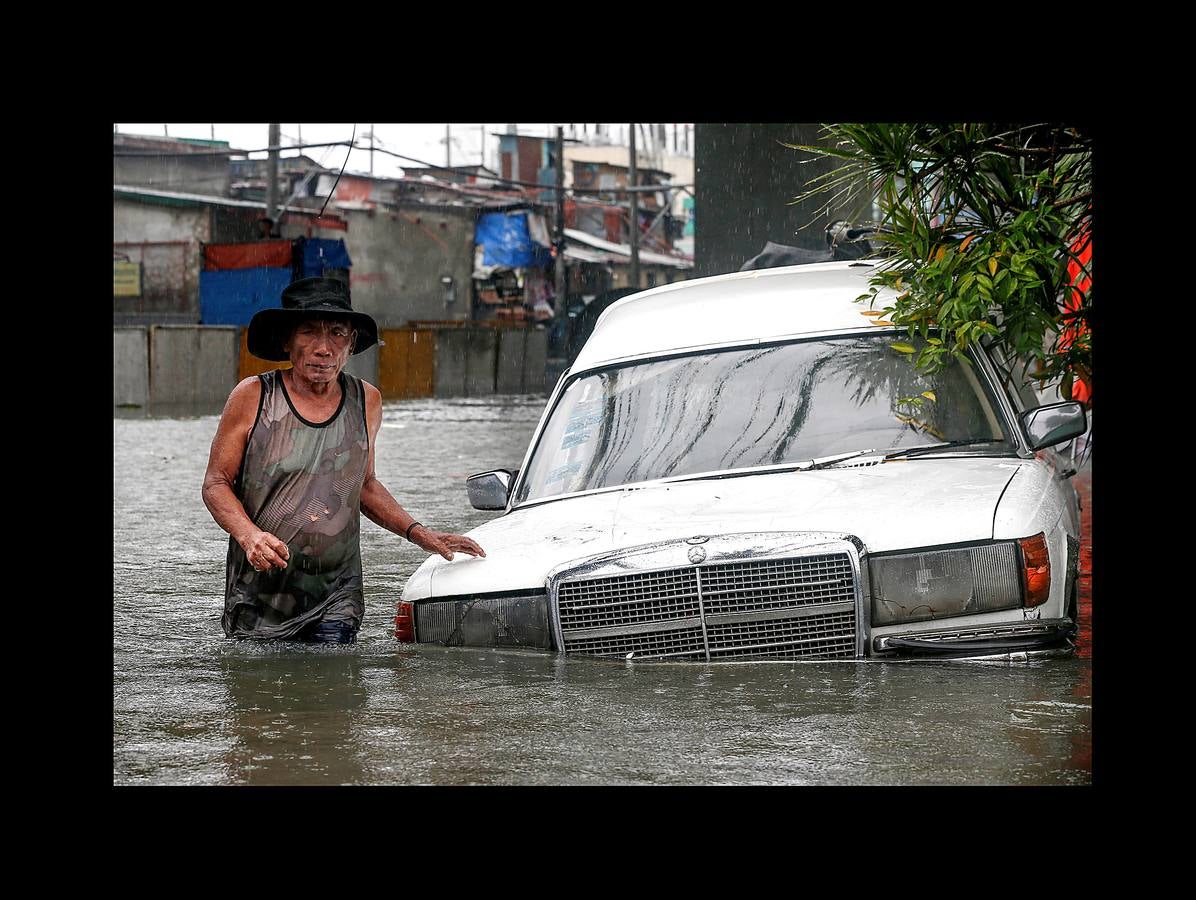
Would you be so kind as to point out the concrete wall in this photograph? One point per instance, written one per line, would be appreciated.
(451, 364)
(185, 174)
(511, 350)
(192, 364)
(466, 362)
(165, 240)
(399, 257)
(133, 220)
(365, 365)
(196, 366)
(481, 361)
(535, 361)
(130, 366)
(521, 361)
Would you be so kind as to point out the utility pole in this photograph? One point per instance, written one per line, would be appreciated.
(512, 129)
(371, 150)
(559, 242)
(635, 218)
(272, 174)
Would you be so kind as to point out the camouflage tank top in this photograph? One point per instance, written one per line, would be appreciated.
(301, 481)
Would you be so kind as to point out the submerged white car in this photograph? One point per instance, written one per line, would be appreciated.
(744, 467)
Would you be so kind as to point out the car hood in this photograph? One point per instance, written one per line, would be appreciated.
(890, 506)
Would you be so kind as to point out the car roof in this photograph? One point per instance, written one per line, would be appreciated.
(738, 308)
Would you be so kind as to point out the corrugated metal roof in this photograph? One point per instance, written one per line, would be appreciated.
(412, 190)
(572, 251)
(126, 190)
(624, 250)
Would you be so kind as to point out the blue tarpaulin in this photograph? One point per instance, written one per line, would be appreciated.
(232, 296)
(321, 254)
(505, 241)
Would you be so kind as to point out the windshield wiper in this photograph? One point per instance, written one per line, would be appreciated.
(824, 462)
(807, 466)
(910, 451)
(831, 460)
(735, 473)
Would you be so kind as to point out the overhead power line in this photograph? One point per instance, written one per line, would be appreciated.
(422, 162)
(229, 152)
(342, 171)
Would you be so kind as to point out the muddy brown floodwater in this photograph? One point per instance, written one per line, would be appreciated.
(190, 707)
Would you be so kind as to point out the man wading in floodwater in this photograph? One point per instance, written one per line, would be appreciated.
(292, 468)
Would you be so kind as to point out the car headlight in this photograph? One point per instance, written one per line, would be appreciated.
(509, 619)
(951, 581)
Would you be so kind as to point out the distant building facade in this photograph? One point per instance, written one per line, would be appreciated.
(162, 233)
(172, 164)
(453, 243)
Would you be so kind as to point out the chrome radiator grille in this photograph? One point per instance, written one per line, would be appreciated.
(777, 583)
(797, 608)
(629, 599)
(673, 644)
(827, 636)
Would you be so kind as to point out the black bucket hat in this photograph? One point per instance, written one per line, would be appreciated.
(307, 298)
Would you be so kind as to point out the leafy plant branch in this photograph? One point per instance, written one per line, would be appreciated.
(979, 223)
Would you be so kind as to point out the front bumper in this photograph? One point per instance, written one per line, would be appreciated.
(778, 595)
(995, 640)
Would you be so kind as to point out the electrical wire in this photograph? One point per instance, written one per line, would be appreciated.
(341, 172)
(231, 151)
(573, 190)
(307, 177)
(648, 188)
(377, 149)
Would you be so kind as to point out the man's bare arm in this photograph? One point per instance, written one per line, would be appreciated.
(381, 508)
(263, 549)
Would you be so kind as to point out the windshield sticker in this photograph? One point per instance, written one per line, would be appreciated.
(583, 419)
(576, 438)
(560, 474)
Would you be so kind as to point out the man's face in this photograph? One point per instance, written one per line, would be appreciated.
(320, 348)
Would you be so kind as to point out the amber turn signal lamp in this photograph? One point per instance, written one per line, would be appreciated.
(405, 622)
(1036, 562)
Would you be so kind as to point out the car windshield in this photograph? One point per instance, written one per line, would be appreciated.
(744, 408)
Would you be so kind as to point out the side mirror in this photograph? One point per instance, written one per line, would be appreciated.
(1053, 424)
(489, 490)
